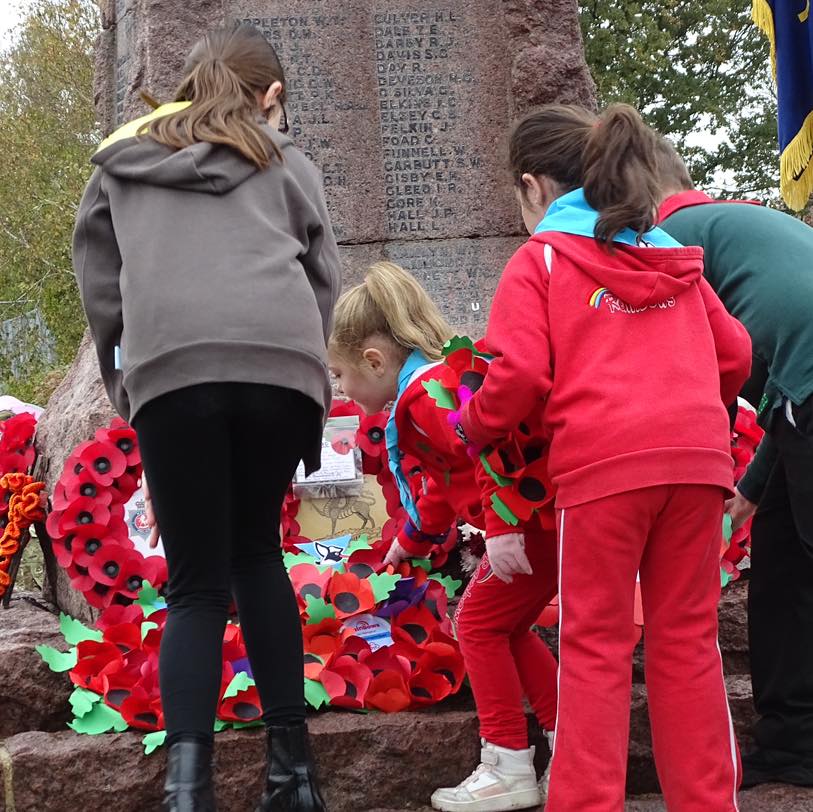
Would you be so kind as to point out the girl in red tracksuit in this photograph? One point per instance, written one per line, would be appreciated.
(608, 325)
(386, 343)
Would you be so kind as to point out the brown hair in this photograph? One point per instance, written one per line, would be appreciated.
(389, 303)
(223, 74)
(672, 171)
(611, 156)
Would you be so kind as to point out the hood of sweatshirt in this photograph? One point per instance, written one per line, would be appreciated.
(638, 275)
(203, 167)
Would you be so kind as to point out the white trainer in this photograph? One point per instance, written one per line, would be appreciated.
(504, 780)
(544, 781)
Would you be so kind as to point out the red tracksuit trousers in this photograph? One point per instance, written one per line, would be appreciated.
(671, 534)
(504, 659)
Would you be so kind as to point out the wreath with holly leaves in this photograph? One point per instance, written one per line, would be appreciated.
(375, 638)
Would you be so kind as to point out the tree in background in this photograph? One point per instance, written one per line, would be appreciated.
(47, 136)
(691, 67)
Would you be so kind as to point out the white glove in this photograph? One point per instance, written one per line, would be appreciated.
(506, 555)
(396, 555)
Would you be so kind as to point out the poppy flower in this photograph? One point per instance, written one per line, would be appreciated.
(748, 431)
(116, 615)
(387, 658)
(321, 642)
(141, 712)
(94, 660)
(244, 707)
(17, 431)
(123, 488)
(346, 682)
(234, 647)
(121, 435)
(392, 527)
(118, 686)
(91, 542)
(364, 563)
(82, 512)
(81, 579)
(428, 688)
(345, 408)
(107, 568)
(103, 461)
(136, 570)
(445, 660)
(353, 646)
(127, 636)
(549, 616)
(350, 595)
(343, 441)
(388, 692)
(528, 492)
(307, 580)
(371, 434)
(73, 486)
(414, 625)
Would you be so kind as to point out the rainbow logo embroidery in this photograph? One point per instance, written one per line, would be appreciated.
(597, 296)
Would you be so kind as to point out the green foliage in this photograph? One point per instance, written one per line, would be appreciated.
(48, 135)
(691, 67)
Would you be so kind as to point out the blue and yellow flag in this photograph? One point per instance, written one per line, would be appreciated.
(789, 27)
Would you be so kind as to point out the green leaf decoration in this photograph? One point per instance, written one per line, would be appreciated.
(220, 725)
(58, 661)
(82, 701)
(244, 725)
(148, 598)
(152, 741)
(500, 480)
(382, 584)
(423, 563)
(240, 682)
(101, 719)
(728, 528)
(443, 398)
(458, 343)
(75, 631)
(451, 585)
(361, 543)
(725, 578)
(315, 694)
(147, 627)
(292, 559)
(318, 609)
(503, 511)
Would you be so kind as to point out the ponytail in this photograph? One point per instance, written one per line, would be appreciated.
(620, 173)
(389, 303)
(224, 73)
(612, 157)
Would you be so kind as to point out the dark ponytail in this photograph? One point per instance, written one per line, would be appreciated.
(620, 173)
(611, 156)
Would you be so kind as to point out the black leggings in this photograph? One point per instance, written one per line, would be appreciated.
(219, 459)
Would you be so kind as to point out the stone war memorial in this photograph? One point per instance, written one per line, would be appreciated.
(405, 107)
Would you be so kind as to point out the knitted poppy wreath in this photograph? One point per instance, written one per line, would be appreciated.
(21, 496)
(375, 638)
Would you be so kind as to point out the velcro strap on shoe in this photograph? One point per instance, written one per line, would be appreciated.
(489, 757)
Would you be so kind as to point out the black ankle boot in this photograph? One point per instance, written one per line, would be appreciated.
(290, 784)
(188, 787)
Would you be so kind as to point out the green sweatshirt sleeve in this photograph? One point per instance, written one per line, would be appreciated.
(97, 264)
(752, 485)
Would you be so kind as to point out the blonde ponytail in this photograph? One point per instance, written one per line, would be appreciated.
(389, 303)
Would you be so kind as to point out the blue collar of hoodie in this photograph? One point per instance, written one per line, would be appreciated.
(572, 214)
(414, 366)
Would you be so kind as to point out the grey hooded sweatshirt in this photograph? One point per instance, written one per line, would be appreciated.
(196, 267)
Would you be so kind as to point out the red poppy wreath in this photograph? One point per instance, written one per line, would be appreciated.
(375, 638)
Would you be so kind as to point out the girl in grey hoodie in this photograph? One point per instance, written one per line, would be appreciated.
(208, 271)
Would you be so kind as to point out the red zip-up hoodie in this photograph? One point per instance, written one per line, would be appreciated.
(454, 486)
(631, 355)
